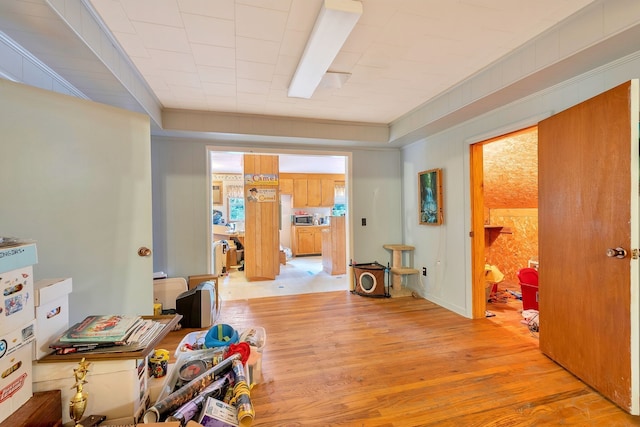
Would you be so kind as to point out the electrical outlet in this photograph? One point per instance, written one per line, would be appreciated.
(424, 271)
(364, 221)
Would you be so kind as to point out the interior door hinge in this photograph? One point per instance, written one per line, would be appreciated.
(635, 253)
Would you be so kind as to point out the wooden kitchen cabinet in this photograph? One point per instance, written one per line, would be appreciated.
(286, 186)
(313, 192)
(328, 191)
(310, 189)
(307, 239)
(299, 199)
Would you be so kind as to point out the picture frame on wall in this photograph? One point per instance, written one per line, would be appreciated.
(216, 193)
(430, 208)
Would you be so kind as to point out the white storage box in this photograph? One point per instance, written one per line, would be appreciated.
(165, 291)
(17, 338)
(51, 300)
(117, 388)
(14, 257)
(16, 287)
(15, 380)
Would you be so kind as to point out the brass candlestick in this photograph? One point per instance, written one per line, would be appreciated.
(78, 402)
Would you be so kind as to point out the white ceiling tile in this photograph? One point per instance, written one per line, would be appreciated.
(253, 86)
(173, 61)
(259, 23)
(281, 5)
(224, 9)
(219, 89)
(161, 12)
(181, 78)
(214, 56)
(162, 37)
(303, 15)
(255, 71)
(207, 30)
(217, 75)
(252, 50)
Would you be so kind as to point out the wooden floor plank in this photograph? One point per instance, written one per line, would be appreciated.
(339, 359)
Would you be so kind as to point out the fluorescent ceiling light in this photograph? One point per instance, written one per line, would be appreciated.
(334, 24)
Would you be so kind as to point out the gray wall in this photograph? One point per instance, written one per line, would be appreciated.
(180, 210)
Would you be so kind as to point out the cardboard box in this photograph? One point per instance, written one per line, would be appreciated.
(15, 257)
(16, 288)
(51, 300)
(194, 281)
(15, 380)
(117, 388)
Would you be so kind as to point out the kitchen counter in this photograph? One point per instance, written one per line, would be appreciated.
(307, 239)
(334, 260)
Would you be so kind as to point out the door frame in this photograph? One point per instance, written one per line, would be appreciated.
(348, 157)
(477, 234)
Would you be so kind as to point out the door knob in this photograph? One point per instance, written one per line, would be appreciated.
(143, 251)
(616, 253)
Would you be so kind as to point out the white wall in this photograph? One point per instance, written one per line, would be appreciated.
(76, 178)
(181, 185)
(446, 250)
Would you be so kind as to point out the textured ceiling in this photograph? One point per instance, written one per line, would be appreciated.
(239, 56)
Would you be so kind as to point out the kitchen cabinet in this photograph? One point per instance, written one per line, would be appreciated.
(286, 186)
(299, 199)
(313, 192)
(307, 239)
(328, 192)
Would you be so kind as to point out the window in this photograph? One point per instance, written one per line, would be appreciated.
(236, 209)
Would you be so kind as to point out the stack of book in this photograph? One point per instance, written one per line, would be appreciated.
(107, 333)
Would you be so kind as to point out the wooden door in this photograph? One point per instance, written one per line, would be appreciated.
(262, 218)
(77, 179)
(588, 203)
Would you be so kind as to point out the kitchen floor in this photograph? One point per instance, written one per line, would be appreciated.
(300, 275)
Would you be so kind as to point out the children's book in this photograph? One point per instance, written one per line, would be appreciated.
(103, 328)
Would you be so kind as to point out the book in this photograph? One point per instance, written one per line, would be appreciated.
(104, 328)
(139, 336)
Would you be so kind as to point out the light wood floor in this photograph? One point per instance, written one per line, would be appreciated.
(339, 359)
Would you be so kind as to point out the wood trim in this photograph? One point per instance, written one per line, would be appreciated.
(478, 303)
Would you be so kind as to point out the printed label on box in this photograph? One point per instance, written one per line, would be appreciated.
(17, 306)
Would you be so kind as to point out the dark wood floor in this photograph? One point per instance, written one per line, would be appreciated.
(339, 359)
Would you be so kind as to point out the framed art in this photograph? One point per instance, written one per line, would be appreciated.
(430, 197)
(216, 193)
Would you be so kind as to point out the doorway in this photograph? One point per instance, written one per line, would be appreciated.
(505, 208)
(225, 166)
